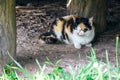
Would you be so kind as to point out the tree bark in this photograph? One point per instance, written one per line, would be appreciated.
(7, 31)
(89, 8)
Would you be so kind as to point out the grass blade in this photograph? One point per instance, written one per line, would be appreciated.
(108, 65)
(117, 42)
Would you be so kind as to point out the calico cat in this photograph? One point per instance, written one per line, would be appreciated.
(70, 30)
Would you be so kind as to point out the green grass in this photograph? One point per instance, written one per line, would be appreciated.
(94, 70)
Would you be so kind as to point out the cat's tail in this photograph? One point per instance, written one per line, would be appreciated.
(48, 38)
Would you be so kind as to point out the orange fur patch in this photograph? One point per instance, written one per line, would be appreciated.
(68, 18)
(59, 26)
(82, 26)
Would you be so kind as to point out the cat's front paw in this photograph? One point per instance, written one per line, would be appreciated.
(77, 46)
(89, 45)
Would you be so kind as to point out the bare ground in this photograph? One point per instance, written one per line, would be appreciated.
(32, 21)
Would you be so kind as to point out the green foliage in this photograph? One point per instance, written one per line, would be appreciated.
(52, 64)
(117, 42)
(94, 70)
(9, 73)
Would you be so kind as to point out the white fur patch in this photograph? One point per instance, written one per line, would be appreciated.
(84, 39)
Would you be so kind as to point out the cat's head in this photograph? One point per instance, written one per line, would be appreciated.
(84, 26)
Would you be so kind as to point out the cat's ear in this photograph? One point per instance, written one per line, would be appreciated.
(91, 21)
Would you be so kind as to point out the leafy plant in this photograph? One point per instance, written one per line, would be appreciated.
(9, 72)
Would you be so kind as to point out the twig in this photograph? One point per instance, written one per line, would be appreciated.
(68, 4)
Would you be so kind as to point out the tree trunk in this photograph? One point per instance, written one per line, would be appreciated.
(88, 8)
(7, 31)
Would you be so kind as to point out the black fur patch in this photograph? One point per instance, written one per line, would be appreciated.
(51, 40)
(72, 23)
(63, 30)
(67, 36)
(47, 37)
(54, 23)
(85, 21)
(61, 19)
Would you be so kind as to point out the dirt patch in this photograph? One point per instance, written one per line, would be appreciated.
(32, 21)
